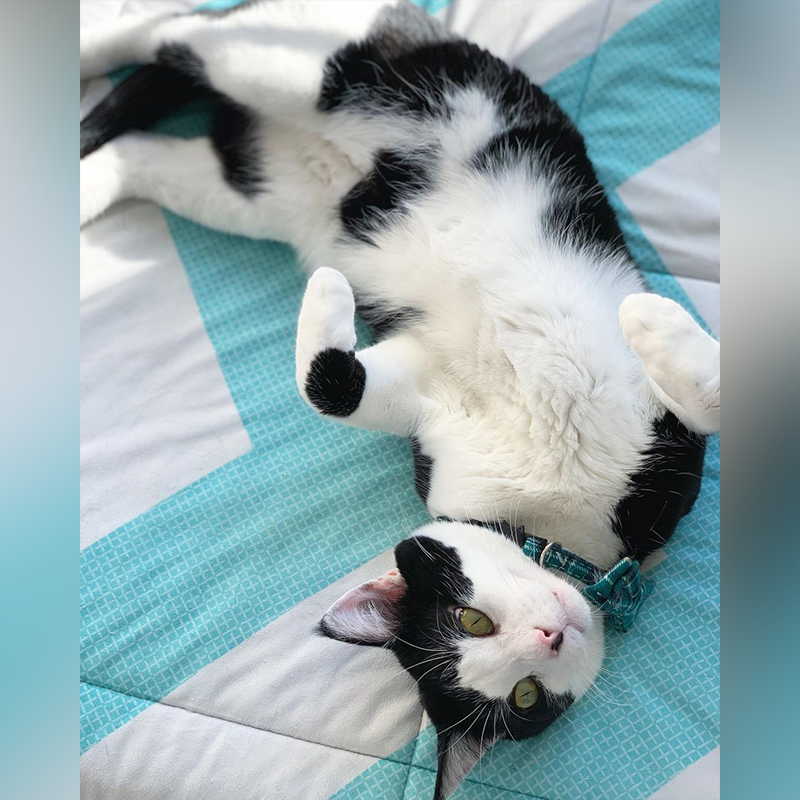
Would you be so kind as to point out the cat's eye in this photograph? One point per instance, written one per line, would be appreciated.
(474, 621)
(526, 693)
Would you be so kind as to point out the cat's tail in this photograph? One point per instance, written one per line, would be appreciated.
(149, 94)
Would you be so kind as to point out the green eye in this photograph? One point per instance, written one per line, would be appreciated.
(476, 622)
(526, 693)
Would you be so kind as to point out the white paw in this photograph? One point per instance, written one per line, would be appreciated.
(326, 319)
(102, 182)
(681, 359)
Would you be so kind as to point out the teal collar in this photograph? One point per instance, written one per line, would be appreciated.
(618, 592)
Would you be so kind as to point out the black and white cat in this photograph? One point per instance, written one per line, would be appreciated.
(516, 348)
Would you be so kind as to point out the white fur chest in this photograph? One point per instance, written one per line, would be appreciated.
(535, 413)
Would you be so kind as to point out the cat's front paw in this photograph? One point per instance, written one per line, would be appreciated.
(662, 334)
(326, 320)
(681, 359)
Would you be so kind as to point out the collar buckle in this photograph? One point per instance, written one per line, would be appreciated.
(545, 550)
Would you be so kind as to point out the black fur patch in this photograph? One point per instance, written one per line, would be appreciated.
(141, 100)
(157, 90)
(423, 468)
(396, 178)
(580, 212)
(663, 491)
(372, 77)
(233, 126)
(183, 60)
(232, 133)
(426, 563)
(335, 382)
(384, 320)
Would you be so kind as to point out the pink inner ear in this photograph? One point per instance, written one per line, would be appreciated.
(391, 585)
(367, 614)
(383, 591)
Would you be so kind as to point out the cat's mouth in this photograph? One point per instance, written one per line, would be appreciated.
(563, 644)
(575, 611)
(573, 636)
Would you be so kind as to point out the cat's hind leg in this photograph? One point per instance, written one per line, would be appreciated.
(681, 359)
(373, 388)
(269, 56)
(183, 175)
(278, 183)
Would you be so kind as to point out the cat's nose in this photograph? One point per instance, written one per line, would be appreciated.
(552, 639)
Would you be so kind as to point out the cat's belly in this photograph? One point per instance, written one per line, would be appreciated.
(490, 469)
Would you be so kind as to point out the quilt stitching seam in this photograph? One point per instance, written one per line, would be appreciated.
(598, 45)
(411, 762)
(311, 741)
(243, 724)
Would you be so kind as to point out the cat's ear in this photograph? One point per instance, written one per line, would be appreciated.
(458, 753)
(367, 614)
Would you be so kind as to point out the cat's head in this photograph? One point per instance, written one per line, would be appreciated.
(498, 646)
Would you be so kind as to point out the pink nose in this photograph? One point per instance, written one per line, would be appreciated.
(552, 639)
